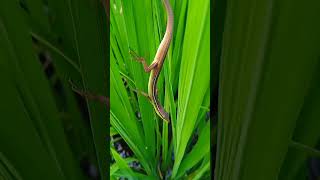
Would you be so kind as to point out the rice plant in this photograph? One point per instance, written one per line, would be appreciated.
(264, 85)
(268, 107)
(47, 131)
(142, 145)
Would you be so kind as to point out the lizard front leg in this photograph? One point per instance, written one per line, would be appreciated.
(143, 61)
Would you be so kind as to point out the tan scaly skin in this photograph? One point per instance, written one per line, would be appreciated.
(155, 67)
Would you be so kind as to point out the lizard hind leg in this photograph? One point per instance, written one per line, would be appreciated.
(142, 93)
(90, 96)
